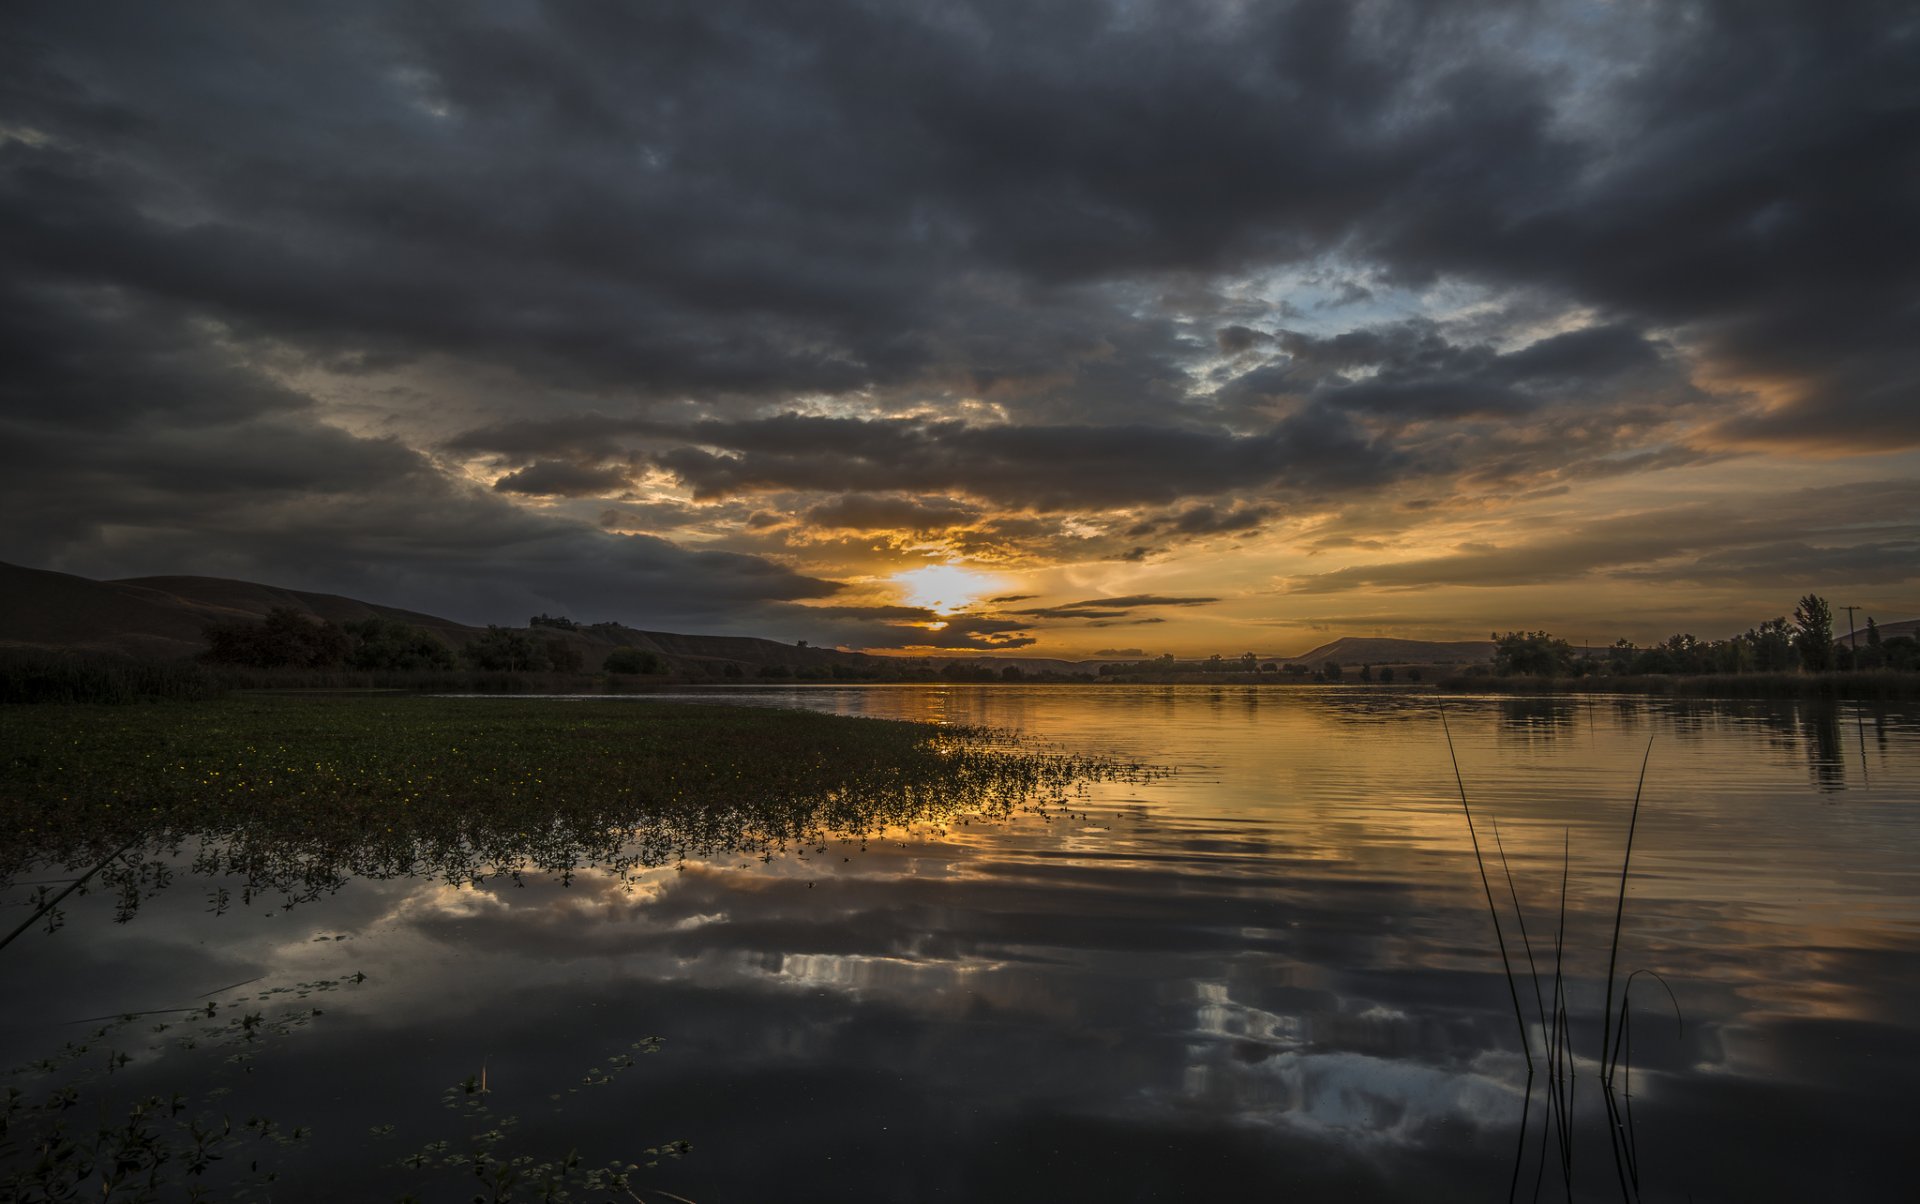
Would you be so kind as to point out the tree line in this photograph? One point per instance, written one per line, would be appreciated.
(292, 639)
(1805, 645)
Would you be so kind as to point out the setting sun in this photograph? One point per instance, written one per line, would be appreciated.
(944, 587)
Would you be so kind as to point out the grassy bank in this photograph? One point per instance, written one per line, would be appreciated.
(295, 793)
(1869, 687)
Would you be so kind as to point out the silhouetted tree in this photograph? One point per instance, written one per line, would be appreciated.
(1813, 633)
(508, 649)
(1900, 652)
(385, 644)
(1620, 656)
(286, 639)
(1530, 653)
(1771, 645)
(634, 660)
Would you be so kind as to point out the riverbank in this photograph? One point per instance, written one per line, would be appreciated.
(1864, 687)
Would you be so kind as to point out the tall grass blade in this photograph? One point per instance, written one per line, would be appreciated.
(1619, 911)
(1493, 911)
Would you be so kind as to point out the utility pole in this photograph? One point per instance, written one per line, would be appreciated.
(1853, 645)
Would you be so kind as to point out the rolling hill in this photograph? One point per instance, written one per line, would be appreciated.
(1357, 650)
(163, 618)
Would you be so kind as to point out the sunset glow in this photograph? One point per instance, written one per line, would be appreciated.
(943, 588)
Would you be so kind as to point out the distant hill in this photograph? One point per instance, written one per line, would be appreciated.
(1375, 650)
(165, 616)
(1887, 630)
(159, 616)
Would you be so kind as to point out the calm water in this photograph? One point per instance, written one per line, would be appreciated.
(1271, 973)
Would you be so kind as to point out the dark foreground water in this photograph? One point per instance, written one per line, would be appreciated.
(1271, 974)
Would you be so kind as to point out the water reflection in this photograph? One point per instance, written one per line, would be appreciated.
(1538, 718)
(1273, 968)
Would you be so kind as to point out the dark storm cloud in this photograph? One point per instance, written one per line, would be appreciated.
(724, 197)
(575, 436)
(1237, 338)
(1111, 608)
(558, 478)
(1207, 519)
(1866, 532)
(1412, 371)
(864, 512)
(150, 466)
(646, 213)
(1043, 467)
(1797, 563)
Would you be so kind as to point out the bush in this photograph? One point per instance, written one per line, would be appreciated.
(382, 644)
(1531, 653)
(287, 638)
(563, 657)
(632, 660)
(504, 649)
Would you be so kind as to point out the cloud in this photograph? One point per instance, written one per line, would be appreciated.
(1705, 542)
(1110, 609)
(1207, 519)
(231, 474)
(549, 478)
(1042, 467)
(882, 628)
(1171, 272)
(865, 512)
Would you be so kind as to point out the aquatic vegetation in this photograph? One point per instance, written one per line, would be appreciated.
(499, 1175)
(292, 795)
(65, 1132)
(1554, 1022)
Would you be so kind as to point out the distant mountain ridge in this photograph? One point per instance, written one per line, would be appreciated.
(164, 617)
(157, 616)
(1380, 650)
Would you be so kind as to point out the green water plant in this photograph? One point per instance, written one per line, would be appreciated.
(73, 1127)
(286, 797)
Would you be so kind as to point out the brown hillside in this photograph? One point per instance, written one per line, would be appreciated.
(58, 610)
(1381, 651)
(245, 598)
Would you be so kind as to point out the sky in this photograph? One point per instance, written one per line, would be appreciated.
(1064, 329)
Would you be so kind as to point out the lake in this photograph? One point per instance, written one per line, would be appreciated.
(1268, 970)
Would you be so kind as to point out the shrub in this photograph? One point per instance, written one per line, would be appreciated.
(382, 644)
(632, 660)
(508, 650)
(287, 638)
